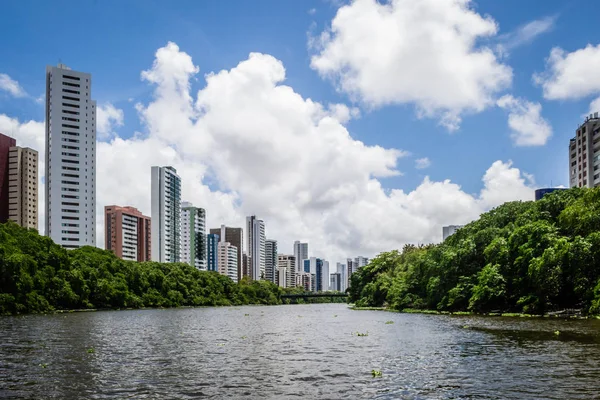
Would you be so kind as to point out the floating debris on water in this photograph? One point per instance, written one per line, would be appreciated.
(389, 322)
(244, 337)
(44, 365)
(362, 334)
(557, 333)
(246, 315)
(376, 373)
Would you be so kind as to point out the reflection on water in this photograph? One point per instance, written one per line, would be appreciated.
(303, 351)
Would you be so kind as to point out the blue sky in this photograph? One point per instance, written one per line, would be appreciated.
(116, 40)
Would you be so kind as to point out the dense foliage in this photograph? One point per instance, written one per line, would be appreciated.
(531, 257)
(310, 300)
(37, 275)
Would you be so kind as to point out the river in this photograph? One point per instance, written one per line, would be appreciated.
(296, 351)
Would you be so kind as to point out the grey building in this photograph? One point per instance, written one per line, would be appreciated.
(271, 262)
(449, 230)
(584, 154)
(165, 190)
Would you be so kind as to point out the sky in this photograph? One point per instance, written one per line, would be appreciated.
(357, 126)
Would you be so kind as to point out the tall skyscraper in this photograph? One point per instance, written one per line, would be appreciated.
(235, 236)
(128, 233)
(341, 269)
(193, 236)
(256, 246)
(335, 282)
(227, 260)
(584, 154)
(351, 268)
(287, 262)
(6, 142)
(212, 251)
(301, 254)
(449, 230)
(325, 276)
(166, 207)
(271, 261)
(23, 186)
(70, 157)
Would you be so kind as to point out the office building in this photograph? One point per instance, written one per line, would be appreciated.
(449, 230)
(271, 262)
(325, 276)
(128, 233)
(193, 236)
(301, 254)
(351, 268)
(584, 154)
(281, 277)
(165, 190)
(335, 282)
(227, 260)
(341, 269)
(235, 236)
(289, 263)
(23, 186)
(212, 251)
(539, 193)
(6, 142)
(255, 229)
(70, 158)
(361, 262)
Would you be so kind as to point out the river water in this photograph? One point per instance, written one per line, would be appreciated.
(295, 351)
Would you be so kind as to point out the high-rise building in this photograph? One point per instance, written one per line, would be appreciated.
(70, 157)
(281, 277)
(246, 265)
(23, 186)
(341, 269)
(235, 236)
(128, 233)
(227, 260)
(271, 261)
(325, 276)
(351, 268)
(449, 230)
(361, 261)
(540, 193)
(6, 142)
(212, 251)
(166, 207)
(301, 254)
(193, 236)
(289, 263)
(335, 282)
(256, 246)
(584, 154)
(320, 284)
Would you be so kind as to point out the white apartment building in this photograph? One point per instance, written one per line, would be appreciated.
(70, 158)
(227, 260)
(193, 236)
(166, 206)
(301, 254)
(271, 261)
(325, 276)
(282, 277)
(256, 246)
(343, 272)
(287, 262)
(584, 154)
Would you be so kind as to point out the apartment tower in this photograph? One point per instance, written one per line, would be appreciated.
(256, 246)
(235, 237)
(584, 154)
(193, 236)
(166, 203)
(212, 249)
(301, 254)
(6, 142)
(128, 233)
(287, 262)
(70, 157)
(227, 260)
(271, 262)
(23, 186)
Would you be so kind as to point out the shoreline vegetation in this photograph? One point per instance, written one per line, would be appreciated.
(521, 258)
(39, 276)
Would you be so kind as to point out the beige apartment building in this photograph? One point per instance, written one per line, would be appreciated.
(23, 186)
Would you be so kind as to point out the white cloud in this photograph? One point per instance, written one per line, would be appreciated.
(11, 86)
(422, 163)
(265, 149)
(595, 106)
(108, 117)
(525, 120)
(421, 52)
(571, 75)
(312, 11)
(526, 34)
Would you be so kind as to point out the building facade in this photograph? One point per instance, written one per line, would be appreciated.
(193, 236)
(287, 262)
(256, 246)
(6, 142)
(343, 272)
(584, 154)
(235, 236)
(227, 260)
(271, 261)
(301, 254)
(449, 230)
(23, 186)
(166, 219)
(212, 252)
(350, 269)
(539, 193)
(335, 282)
(128, 233)
(70, 158)
(361, 261)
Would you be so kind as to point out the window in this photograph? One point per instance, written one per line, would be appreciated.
(70, 98)
(71, 77)
(70, 119)
(71, 84)
(70, 126)
(70, 161)
(70, 105)
(71, 112)
(70, 91)
(72, 134)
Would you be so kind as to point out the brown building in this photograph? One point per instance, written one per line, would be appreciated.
(128, 233)
(23, 186)
(235, 237)
(6, 143)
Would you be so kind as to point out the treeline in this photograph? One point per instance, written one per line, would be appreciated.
(37, 275)
(311, 300)
(529, 257)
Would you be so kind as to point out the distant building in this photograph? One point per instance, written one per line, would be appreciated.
(255, 229)
(335, 282)
(212, 251)
(288, 262)
(449, 230)
(23, 188)
(325, 276)
(227, 260)
(352, 267)
(271, 262)
(6, 142)
(584, 154)
(193, 236)
(301, 254)
(246, 266)
(127, 233)
(282, 279)
(305, 281)
(360, 262)
(235, 236)
(539, 193)
(343, 272)
(165, 191)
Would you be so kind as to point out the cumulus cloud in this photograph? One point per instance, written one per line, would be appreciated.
(421, 52)
(108, 117)
(595, 106)
(525, 120)
(526, 34)
(571, 75)
(422, 163)
(11, 86)
(246, 144)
